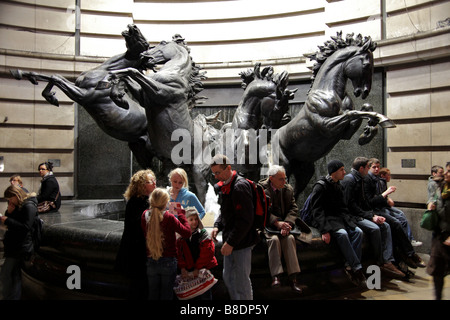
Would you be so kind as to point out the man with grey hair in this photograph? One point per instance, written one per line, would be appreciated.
(283, 213)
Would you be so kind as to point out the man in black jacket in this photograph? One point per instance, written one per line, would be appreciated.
(236, 223)
(399, 237)
(333, 220)
(373, 224)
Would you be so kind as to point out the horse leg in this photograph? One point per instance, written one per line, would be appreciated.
(199, 174)
(142, 151)
(302, 172)
(50, 95)
(33, 77)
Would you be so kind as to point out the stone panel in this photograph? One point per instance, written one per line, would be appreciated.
(405, 135)
(422, 160)
(413, 191)
(409, 106)
(439, 133)
(439, 103)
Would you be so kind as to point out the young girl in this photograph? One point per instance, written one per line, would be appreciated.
(160, 228)
(179, 191)
(197, 251)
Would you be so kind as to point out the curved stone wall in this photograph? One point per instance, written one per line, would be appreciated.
(226, 37)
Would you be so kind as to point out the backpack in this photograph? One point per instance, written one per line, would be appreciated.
(261, 202)
(305, 212)
(36, 232)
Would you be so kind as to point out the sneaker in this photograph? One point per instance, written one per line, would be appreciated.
(415, 243)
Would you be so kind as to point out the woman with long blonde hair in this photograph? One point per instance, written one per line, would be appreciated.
(18, 244)
(131, 258)
(160, 228)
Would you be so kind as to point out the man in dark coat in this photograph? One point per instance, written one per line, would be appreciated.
(333, 220)
(236, 224)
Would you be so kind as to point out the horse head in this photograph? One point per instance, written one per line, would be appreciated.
(163, 52)
(359, 69)
(135, 42)
(349, 58)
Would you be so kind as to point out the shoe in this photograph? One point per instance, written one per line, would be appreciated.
(295, 287)
(276, 281)
(391, 270)
(418, 261)
(410, 262)
(415, 243)
(359, 279)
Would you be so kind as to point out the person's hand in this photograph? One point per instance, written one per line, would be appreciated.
(431, 206)
(195, 273)
(226, 249)
(326, 237)
(214, 233)
(3, 218)
(184, 274)
(378, 219)
(390, 202)
(284, 227)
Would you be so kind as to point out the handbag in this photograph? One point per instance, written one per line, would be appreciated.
(46, 206)
(191, 288)
(429, 220)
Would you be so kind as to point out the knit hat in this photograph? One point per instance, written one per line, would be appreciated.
(334, 165)
(190, 211)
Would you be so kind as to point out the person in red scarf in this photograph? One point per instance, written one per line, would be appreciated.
(235, 221)
(197, 251)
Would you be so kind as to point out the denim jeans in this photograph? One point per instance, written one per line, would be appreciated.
(350, 242)
(11, 279)
(236, 274)
(380, 239)
(161, 276)
(400, 216)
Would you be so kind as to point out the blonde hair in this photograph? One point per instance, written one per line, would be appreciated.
(14, 191)
(154, 235)
(136, 188)
(182, 174)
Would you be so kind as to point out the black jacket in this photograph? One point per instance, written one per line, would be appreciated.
(354, 197)
(236, 213)
(329, 211)
(49, 191)
(372, 193)
(132, 254)
(17, 240)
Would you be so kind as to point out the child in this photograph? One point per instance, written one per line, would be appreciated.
(160, 228)
(197, 251)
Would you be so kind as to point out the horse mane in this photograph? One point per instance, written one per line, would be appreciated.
(195, 78)
(337, 43)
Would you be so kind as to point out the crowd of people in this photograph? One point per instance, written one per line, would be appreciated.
(164, 237)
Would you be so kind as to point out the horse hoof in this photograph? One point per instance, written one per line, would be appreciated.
(17, 74)
(367, 136)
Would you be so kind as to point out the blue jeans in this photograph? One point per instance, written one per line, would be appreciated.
(236, 274)
(380, 239)
(11, 279)
(350, 241)
(400, 216)
(161, 276)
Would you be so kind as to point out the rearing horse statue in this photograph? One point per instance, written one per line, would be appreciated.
(264, 105)
(328, 114)
(125, 121)
(168, 95)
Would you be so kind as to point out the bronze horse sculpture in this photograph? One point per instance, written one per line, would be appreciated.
(125, 121)
(328, 114)
(264, 106)
(167, 95)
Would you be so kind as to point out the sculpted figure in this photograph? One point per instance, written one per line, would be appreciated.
(125, 121)
(328, 114)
